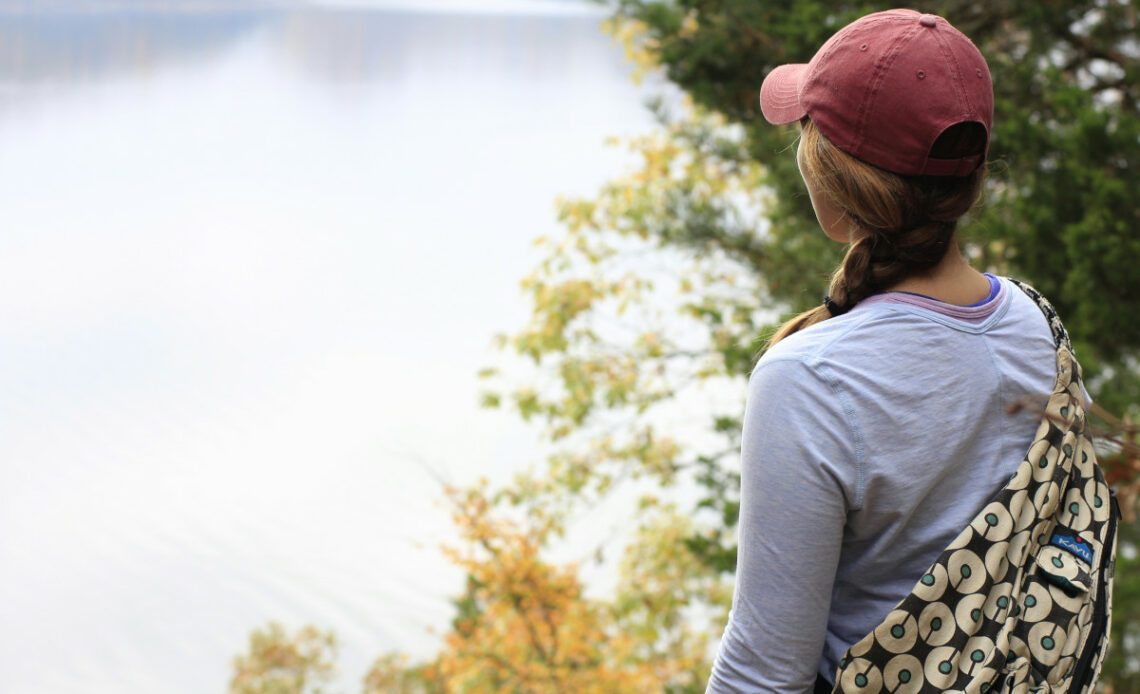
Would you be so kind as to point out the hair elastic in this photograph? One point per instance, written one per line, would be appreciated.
(833, 308)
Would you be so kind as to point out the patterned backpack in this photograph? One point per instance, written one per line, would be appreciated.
(1021, 601)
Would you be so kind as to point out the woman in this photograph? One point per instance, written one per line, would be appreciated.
(878, 424)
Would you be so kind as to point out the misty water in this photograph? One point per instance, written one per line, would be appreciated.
(250, 264)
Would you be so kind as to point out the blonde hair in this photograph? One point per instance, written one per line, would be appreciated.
(899, 225)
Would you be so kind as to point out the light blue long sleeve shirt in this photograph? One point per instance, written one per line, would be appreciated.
(870, 440)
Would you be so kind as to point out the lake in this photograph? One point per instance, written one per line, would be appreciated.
(251, 261)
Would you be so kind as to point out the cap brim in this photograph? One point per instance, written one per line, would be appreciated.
(780, 94)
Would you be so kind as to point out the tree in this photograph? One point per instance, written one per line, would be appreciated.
(280, 663)
(525, 625)
(391, 673)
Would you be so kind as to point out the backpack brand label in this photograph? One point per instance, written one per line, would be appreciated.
(1069, 541)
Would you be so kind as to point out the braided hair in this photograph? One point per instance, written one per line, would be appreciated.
(900, 226)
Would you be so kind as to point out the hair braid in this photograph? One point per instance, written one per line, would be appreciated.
(855, 278)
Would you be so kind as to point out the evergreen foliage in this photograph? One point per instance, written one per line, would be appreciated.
(1062, 207)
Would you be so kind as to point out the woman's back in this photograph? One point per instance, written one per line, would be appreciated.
(870, 440)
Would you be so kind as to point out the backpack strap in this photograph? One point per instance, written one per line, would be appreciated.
(1060, 335)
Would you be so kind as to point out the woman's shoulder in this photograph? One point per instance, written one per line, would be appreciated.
(1033, 307)
(813, 340)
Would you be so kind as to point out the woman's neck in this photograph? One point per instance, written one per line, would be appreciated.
(952, 280)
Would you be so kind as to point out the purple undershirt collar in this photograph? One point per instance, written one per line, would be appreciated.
(975, 312)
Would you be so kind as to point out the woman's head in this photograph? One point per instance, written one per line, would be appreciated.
(890, 164)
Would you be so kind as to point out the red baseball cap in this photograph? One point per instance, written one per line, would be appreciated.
(885, 87)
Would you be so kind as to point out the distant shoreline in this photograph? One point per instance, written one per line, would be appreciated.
(560, 8)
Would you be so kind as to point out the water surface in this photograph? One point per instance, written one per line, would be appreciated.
(250, 263)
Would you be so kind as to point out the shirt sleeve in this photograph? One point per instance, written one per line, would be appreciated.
(799, 478)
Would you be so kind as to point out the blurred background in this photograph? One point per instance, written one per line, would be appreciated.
(253, 255)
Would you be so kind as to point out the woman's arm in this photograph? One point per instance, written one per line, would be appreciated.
(799, 478)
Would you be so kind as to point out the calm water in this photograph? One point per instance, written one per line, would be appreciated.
(249, 266)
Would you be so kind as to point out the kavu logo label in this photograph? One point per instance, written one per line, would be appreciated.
(1069, 541)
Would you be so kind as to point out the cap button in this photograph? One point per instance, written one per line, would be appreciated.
(928, 20)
